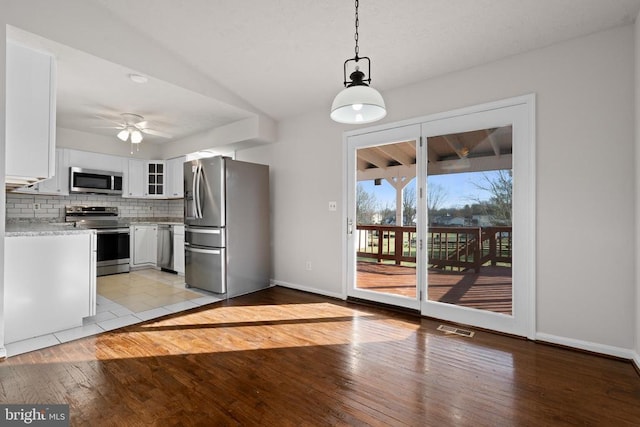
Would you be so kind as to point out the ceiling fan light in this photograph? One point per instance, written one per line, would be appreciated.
(358, 105)
(136, 137)
(123, 135)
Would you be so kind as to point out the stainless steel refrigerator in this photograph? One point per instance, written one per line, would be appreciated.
(226, 207)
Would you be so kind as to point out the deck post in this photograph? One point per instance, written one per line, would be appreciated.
(399, 244)
(477, 256)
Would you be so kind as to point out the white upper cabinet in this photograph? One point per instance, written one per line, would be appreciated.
(175, 178)
(30, 116)
(134, 178)
(155, 179)
(96, 161)
(57, 184)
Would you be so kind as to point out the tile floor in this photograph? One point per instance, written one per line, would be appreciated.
(125, 299)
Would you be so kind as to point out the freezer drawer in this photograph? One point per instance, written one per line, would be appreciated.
(207, 237)
(206, 268)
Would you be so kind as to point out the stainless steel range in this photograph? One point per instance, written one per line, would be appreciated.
(113, 236)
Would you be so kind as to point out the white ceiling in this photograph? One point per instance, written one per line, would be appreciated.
(285, 57)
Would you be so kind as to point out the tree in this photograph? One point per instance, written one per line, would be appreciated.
(408, 205)
(366, 206)
(388, 214)
(436, 195)
(500, 186)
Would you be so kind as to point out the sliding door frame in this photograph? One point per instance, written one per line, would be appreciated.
(524, 208)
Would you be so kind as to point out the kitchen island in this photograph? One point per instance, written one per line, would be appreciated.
(50, 279)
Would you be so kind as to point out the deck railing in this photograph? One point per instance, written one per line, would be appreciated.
(460, 248)
(387, 242)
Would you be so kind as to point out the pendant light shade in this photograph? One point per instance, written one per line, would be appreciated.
(136, 137)
(123, 135)
(135, 134)
(358, 104)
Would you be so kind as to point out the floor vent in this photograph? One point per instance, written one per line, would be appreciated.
(454, 330)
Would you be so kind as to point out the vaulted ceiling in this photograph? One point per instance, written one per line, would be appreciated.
(284, 57)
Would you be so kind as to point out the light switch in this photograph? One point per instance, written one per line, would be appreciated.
(333, 206)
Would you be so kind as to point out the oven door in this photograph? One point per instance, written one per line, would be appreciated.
(113, 251)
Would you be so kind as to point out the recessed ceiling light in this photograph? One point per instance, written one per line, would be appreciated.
(138, 78)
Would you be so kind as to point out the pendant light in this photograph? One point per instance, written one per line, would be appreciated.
(358, 102)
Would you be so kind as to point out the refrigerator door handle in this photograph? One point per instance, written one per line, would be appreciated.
(193, 191)
(201, 251)
(196, 194)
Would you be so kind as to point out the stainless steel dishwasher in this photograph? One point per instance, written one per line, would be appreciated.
(165, 247)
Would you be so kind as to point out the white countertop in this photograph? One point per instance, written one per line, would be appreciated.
(45, 229)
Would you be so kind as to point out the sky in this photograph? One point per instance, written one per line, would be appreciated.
(458, 187)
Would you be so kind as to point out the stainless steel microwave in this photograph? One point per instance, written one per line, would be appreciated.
(94, 181)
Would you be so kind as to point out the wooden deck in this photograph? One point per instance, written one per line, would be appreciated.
(490, 289)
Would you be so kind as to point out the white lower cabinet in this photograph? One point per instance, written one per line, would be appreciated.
(178, 249)
(144, 245)
(58, 293)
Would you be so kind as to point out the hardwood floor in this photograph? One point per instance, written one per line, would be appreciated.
(285, 358)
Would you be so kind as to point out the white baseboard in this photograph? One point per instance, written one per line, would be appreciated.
(3, 353)
(636, 360)
(307, 289)
(623, 353)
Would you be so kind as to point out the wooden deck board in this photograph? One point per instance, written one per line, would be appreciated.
(488, 290)
(287, 358)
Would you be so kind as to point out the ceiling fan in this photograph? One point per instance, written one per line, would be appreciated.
(132, 127)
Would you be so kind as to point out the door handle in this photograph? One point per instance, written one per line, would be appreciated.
(203, 230)
(193, 191)
(197, 194)
(201, 251)
(349, 226)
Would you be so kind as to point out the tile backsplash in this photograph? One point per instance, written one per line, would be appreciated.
(25, 207)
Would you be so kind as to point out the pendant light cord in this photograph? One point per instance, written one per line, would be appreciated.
(357, 49)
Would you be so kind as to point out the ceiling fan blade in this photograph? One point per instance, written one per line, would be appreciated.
(156, 133)
(108, 127)
(117, 122)
(142, 125)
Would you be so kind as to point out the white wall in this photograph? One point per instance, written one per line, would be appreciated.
(3, 35)
(637, 182)
(305, 174)
(585, 180)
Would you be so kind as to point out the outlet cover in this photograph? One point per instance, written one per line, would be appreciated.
(333, 206)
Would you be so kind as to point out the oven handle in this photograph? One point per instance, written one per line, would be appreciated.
(113, 231)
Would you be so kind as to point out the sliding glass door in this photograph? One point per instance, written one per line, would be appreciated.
(442, 216)
(383, 217)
